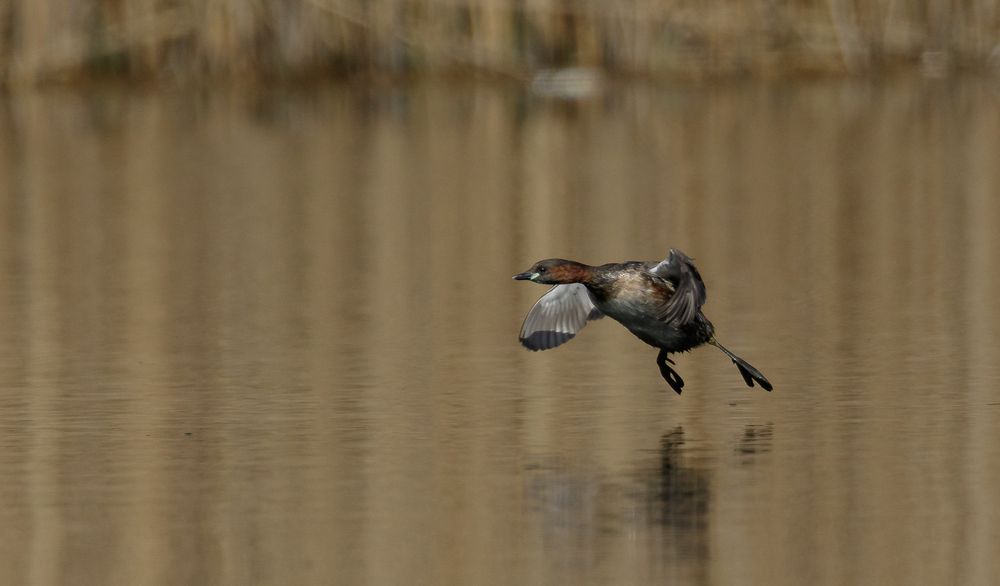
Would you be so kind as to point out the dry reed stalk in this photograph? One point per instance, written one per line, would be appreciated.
(43, 40)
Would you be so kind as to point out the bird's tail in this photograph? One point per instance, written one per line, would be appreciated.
(749, 373)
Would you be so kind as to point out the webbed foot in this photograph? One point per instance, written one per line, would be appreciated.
(670, 375)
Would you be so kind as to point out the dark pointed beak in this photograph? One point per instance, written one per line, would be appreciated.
(523, 276)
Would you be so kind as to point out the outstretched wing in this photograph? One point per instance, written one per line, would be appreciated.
(689, 290)
(557, 316)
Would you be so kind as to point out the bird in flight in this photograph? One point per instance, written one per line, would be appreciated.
(659, 302)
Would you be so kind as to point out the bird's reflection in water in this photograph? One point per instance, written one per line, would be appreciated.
(756, 440)
(661, 503)
(676, 495)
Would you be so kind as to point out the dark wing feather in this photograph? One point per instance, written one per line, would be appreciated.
(689, 290)
(557, 316)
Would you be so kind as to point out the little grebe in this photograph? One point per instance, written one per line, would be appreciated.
(659, 302)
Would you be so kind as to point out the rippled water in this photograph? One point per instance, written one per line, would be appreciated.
(271, 338)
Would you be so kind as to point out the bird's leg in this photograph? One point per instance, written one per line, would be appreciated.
(670, 375)
(747, 371)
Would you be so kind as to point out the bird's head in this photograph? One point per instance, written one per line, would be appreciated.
(554, 271)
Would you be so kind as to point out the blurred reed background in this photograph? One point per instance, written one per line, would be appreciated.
(44, 41)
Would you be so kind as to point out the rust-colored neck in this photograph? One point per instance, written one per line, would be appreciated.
(572, 272)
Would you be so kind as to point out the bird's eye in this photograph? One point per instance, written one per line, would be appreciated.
(542, 269)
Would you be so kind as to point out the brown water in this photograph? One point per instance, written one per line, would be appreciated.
(271, 339)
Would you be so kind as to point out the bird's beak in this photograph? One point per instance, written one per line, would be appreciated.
(525, 276)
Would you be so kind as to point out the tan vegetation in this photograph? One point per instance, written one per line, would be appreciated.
(170, 40)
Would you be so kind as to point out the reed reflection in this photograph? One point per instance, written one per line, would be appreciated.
(317, 288)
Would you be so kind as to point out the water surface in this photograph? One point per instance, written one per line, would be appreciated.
(271, 338)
